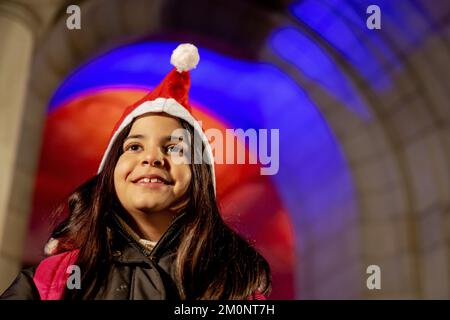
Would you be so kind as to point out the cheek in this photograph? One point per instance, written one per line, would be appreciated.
(184, 176)
(121, 172)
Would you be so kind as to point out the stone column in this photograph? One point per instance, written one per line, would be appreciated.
(17, 42)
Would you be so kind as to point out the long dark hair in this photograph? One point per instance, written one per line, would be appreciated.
(228, 266)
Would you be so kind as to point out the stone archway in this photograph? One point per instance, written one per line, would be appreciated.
(399, 163)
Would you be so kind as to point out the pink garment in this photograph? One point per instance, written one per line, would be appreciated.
(51, 275)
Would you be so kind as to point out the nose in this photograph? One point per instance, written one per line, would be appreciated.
(155, 159)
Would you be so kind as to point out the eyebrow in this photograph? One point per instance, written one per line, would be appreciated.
(141, 136)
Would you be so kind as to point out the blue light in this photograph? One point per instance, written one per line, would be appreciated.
(338, 23)
(302, 52)
(403, 21)
(137, 66)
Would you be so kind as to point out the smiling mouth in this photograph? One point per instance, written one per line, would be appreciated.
(151, 181)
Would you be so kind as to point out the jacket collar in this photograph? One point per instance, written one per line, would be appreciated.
(126, 249)
(147, 244)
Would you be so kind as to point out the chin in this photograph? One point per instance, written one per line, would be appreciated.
(147, 206)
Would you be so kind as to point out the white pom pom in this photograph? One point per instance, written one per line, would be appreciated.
(185, 57)
(51, 246)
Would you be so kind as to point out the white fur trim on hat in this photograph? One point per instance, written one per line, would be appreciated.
(173, 108)
(185, 57)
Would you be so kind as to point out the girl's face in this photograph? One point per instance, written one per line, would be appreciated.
(148, 155)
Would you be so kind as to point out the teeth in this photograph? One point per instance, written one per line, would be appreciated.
(152, 180)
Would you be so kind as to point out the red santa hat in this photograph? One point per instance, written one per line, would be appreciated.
(171, 97)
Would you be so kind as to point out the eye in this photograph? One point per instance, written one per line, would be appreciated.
(174, 148)
(133, 147)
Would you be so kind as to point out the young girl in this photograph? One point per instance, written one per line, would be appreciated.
(148, 226)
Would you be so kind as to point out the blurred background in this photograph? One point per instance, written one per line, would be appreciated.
(364, 120)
